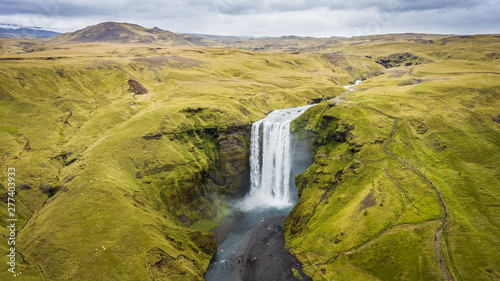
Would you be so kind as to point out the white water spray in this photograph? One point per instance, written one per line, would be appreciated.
(270, 160)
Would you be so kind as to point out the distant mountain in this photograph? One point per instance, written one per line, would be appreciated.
(17, 31)
(114, 32)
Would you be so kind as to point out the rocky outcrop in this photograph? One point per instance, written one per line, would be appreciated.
(399, 59)
(496, 118)
(136, 88)
(230, 171)
(115, 32)
(190, 194)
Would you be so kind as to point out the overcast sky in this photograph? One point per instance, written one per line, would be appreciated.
(319, 18)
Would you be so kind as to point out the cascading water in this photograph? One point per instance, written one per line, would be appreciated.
(271, 160)
(272, 194)
(254, 248)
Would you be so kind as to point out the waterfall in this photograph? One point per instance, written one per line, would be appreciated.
(270, 160)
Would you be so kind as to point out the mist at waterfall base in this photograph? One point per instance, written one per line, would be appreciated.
(275, 159)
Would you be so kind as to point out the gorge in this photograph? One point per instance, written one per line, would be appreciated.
(271, 196)
(133, 178)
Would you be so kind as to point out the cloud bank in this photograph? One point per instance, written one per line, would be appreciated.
(321, 18)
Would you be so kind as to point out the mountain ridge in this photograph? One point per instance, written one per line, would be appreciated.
(114, 32)
(20, 32)
(125, 153)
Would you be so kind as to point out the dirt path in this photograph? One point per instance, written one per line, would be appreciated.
(440, 196)
(439, 233)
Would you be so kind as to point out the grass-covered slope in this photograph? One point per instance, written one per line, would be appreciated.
(364, 215)
(124, 152)
(114, 32)
(115, 185)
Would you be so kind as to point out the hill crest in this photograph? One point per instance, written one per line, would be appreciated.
(114, 32)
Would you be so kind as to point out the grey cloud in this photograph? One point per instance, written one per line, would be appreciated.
(233, 7)
(44, 7)
(264, 17)
(409, 5)
(104, 8)
(269, 6)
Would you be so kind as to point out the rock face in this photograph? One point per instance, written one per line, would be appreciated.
(230, 172)
(399, 59)
(226, 172)
(330, 130)
(136, 88)
(496, 118)
(115, 32)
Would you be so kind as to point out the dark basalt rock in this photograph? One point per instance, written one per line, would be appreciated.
(136, 88)
(184, 219)
(317, 100)
(153, 136)
(193, 110)
(25, 186)
(48, 189)
(496, 118)
(399, 59)
(231, 169)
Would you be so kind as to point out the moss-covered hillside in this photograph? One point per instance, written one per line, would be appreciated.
(118, 181)
(370, 209)
(125, 153)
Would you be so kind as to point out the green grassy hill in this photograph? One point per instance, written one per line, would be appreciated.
(124, 154)
(127, 180)
(364, 215)
(113, 32)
